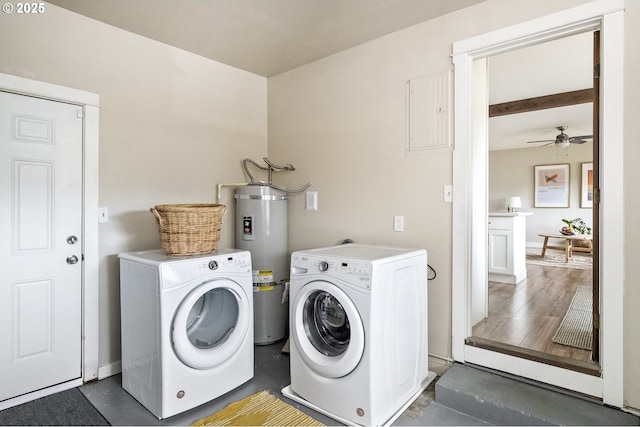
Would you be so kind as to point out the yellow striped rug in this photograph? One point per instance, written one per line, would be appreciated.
(260, 409)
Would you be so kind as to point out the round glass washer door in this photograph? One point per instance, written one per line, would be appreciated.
(211, 324)
(328, 330)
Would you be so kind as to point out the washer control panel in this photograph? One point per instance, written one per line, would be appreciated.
(354, 272)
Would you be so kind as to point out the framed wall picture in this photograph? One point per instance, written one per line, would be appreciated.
(586, 186)
(551, 186)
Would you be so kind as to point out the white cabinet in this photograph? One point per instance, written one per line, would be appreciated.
(507, 247)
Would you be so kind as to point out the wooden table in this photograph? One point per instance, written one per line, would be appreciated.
(568, 243)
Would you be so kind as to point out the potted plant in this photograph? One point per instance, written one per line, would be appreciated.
(577, 225)
(568, 230)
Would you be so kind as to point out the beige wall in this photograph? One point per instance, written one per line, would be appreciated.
(172, 126)
(511, 174)
(341, 121)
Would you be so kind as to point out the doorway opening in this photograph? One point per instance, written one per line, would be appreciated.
(539, 120)
(470, 204)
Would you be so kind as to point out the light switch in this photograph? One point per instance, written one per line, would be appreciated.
(448, 193)
(103, 215)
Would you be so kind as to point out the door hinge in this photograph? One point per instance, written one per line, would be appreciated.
(596, 71)
(596, 320)
(80, 113)
(596, 195)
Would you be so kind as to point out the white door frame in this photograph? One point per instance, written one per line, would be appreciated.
(90, 104)
(470, 192)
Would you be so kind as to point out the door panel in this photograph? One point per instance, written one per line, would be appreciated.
(500, 251)
(40, 207)
(33, 307)
(32, 194)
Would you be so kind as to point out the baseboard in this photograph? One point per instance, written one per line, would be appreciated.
(439, 364)
(110, 370)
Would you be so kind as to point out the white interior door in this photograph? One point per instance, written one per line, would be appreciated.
(40, 243)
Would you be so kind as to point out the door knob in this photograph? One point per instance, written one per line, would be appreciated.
(72, 259)
(72, 240)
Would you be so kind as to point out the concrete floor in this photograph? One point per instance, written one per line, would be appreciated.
(271, 374)
(490, 398)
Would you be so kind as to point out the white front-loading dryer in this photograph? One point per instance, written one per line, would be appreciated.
(358, 325)
(186, 327)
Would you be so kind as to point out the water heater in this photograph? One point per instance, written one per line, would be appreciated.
(261, 228)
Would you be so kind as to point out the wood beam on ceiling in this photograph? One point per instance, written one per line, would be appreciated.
(542, 102)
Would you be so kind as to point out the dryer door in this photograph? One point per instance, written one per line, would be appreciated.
(211, 324)
(327, 329)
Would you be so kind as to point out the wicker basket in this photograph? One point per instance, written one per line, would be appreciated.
(189, 229)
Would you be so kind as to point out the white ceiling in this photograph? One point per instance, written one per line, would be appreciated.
(558, 66)
(265, 37)
(268, 37)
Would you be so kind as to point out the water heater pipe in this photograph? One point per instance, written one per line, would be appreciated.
(228, 184)
(271, 168)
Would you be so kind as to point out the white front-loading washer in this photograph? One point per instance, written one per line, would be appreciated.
(186, 327)
(358, 320)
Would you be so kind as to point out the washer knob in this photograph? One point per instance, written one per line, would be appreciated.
(213, 265)
(323, 266)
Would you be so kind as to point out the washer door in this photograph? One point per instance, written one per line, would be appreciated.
(211, 324)
(327, 329)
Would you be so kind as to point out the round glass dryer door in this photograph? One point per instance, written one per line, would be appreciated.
(211, 324)
(328, 330)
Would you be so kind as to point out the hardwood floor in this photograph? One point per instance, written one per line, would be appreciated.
(528, 314)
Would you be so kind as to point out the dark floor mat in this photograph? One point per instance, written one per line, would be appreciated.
(67, 408)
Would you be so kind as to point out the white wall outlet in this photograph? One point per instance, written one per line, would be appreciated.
(398, 223)
(103, 215)
(448, 193)
(311, 201)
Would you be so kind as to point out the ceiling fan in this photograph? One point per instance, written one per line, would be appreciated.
(563, 140)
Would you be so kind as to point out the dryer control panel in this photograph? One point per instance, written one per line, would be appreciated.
(226, 265)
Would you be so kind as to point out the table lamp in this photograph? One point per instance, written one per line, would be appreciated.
(514, 203)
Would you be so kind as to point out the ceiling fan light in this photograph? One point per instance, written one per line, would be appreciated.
(563, 144)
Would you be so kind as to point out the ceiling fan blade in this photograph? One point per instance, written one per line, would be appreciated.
(583, 136)
(543, 140)
(580, 139)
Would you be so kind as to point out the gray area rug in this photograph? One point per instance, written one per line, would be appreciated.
(576, 328)
(67, 408)
(556, 258)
